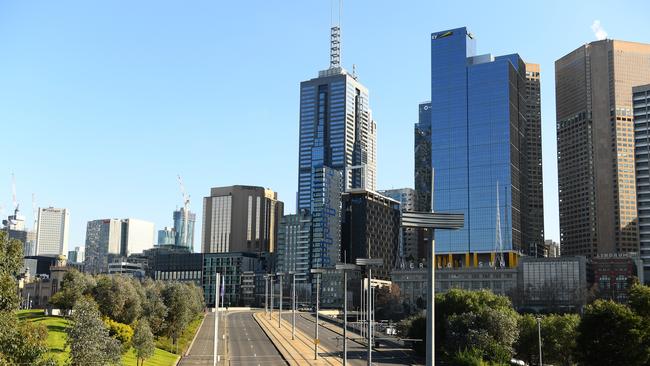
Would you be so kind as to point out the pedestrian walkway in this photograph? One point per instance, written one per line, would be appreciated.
(299, 351)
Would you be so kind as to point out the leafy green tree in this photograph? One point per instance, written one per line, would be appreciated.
(118, 298)
(122, 332)
(11, 261)
(22, 343)
(458, 302)
(640, 300)
(74, 285)
(489, 332)
(143, 342)
(180, 309)
(88, 337)
(611, 334)
(559, 333)
(153, 307)
(526, 347)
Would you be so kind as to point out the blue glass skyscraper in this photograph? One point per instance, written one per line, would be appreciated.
(337, 152)
(478, 129)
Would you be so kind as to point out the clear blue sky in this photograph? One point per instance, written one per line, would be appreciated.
(103, 103)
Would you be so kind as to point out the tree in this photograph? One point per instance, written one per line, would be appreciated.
(74, 285)
(11, 260)
(559, 333)
(143, 342)
(473, 303)
(122, 332)
(180, 311)
(22, 343)
(118, 298)
(489, 332)
(526, 347)
(88, 337)
(640, 300)
(153, 307)
(611, 334)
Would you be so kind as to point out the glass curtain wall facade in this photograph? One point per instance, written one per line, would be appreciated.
(181, 239)
(293, 245)
(477, 132)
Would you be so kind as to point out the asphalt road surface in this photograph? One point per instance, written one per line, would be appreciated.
(357, 354)
(246, 343)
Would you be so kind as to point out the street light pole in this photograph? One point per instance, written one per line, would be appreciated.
(266, 294)
(539, 337)
(368, 263)
(280, 308)
(317, 272)
(293, 308)
(271, 309)
(216, 319)
(432, 221)
(345, 268)
(369, 316)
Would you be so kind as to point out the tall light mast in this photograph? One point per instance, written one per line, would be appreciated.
(186, 209)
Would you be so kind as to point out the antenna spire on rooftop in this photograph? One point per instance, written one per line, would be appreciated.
(335, 40)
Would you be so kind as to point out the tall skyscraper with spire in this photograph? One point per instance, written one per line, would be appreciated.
(337, 151)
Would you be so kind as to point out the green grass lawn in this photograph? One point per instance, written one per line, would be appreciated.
(56, 340)
(183, 341)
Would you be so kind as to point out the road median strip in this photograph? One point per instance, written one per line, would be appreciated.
(298, 351)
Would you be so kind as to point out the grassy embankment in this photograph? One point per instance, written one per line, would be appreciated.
(56, 340)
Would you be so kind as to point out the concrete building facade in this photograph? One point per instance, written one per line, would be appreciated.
(641, 104)
(595, 142)
(52, 231)
(241, 219)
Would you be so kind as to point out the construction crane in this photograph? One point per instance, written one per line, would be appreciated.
(186, 209)
(13, 193)
(34, 211)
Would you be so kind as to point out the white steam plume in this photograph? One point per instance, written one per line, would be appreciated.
(598, 30)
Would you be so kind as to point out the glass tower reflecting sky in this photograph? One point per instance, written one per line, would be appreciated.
(477, 143)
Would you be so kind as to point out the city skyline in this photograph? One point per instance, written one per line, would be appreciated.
(123, 95)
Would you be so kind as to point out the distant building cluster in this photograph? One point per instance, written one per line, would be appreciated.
(477, 151)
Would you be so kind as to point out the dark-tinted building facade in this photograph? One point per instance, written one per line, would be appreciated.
(478, 148)
(371, 229)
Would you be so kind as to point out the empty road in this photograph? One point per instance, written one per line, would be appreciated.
(246, 343)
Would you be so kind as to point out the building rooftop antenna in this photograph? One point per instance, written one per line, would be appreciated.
(335, 41)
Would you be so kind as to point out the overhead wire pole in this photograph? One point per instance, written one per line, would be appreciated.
(345, 267)
(216, 319)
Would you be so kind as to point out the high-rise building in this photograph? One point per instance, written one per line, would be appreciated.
(241, 219)
(52, 231)
(325, 241)
(137, 236)
(337, 131)
(103, 238)
(408, 201)
(595, 142)
(371, 229)
(76, 256)
(167, 236)
(533, 199)
(641, 104)
(478, 150)
(110, 239)
(337, 152)
(183, 240)
(293, 245)
(423, 158)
